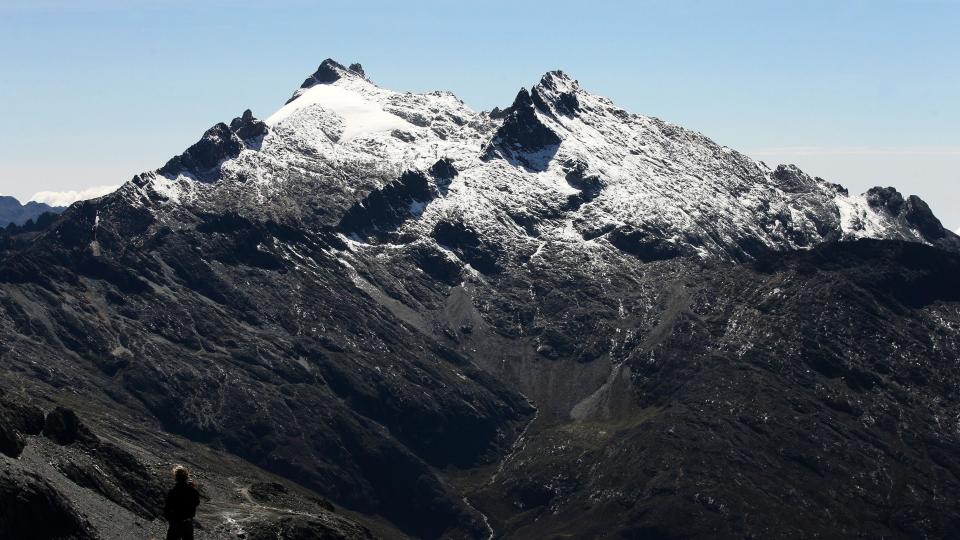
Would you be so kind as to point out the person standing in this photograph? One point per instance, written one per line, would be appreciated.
(181, 505)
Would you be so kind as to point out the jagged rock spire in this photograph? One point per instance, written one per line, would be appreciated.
(329, 71)
(556, 93)
(219, 143)
(521, 133)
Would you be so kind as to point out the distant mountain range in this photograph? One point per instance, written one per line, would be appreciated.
(384, 314)
(11, 211)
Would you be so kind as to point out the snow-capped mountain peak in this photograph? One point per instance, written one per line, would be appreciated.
(559, 91)
(558, 166)
(359, 112)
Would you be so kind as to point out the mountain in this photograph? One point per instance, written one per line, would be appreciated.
(382, 314)
(11, 211)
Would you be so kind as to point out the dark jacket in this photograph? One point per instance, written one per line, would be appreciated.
(182, 502)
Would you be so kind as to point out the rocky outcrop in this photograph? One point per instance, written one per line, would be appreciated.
(32, 508)
(556, 94)
(63, 427)
(913, 212)
(580, 178)
(17, 420)
(917, 213)
(887, 199)
(220, 143)
(792, 180)
(248, 128)
(443, 170)
(329, 72)
(645, 244)
(468, 246)
(383, 210)
(358, 69)
(202, 160)
(522, 135)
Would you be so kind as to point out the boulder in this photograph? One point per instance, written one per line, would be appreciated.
(63, 427)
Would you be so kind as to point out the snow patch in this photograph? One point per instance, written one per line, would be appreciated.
(172, 190)
(417, 207)
(360, 116)
(858, 220)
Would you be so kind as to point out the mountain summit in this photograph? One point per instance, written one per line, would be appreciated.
(655, 190)
(384, 314)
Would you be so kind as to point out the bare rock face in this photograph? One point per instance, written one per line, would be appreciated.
(328, 72)
(443, 170)
(522, 135)
(918, 214)
(17, 420)
(248, 128)
(384, 210)
(888, 199)
(646, 245)
(33, 509)
(63, 427)
(357, 68)
(220, 143)
(11, 441)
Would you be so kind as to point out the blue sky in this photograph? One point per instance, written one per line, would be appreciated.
(860, 92)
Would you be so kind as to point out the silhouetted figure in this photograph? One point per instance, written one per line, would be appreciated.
(181, 505)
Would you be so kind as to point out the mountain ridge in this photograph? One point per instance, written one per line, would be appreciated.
(803, 210)
(12, 212)
(384, 314)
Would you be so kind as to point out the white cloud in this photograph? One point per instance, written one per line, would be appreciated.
(66, 198)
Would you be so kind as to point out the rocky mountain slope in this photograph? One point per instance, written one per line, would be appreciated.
(384, 314)
(11, 211)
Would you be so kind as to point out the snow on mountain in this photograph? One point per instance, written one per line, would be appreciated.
(359, 115)
(375, 281)
(559, 166)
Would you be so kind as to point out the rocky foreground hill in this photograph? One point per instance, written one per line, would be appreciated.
(382, 314)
